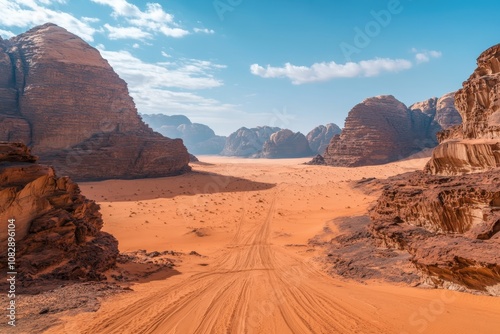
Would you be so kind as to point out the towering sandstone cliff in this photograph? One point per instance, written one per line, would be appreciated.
(57, 229)
(448, 217)
(60, 97)
(475, 145)
(381, 129)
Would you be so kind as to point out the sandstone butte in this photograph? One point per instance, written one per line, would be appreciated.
(63, 100)
(382, 129)
(57, 229)
(448, 216)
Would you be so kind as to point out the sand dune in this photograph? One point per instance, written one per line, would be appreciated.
(258, 274)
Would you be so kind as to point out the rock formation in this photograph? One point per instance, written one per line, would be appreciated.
(382, 129)
(449, 225)
(60, 97)
(198, 138)
(286, 144)
(320, 137)
(248, 142)
(379, 130)
(57, 229)
(474, 146)
(448, 217)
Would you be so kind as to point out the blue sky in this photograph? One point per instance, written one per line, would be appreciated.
(293, 64)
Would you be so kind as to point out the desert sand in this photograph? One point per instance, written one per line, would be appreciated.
(251, 221)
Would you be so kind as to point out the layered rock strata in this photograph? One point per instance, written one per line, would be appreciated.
(60, 97)
(57, 230)
(382, 129)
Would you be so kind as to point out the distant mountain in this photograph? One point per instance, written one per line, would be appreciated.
(198, 138)
(286, 144)
(320, 137)
(246, 142)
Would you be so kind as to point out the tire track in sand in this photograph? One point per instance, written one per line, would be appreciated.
(253, 287)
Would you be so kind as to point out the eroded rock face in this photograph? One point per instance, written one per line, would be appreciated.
(379, 130)
(320, 137)
(479, 99)
(57, 229)
(449, 225)
(248, 142)
(448, 217)
(57, 93)
(473, 147)
(286, 144)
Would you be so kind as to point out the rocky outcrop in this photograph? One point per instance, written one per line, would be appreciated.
(58, 230)
(198, 138)
(320, 137)
(318, 160)
(286, 144)
(458, 157)
(379, 130)
(60, 97)
(474, 146)
(248, 142)
(449, 225)
(448, 217)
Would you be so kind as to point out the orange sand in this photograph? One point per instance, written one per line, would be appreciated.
(258, 274)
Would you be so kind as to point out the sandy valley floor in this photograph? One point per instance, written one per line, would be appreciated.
(251, 221)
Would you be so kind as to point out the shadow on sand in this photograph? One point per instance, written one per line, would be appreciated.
(190, 184)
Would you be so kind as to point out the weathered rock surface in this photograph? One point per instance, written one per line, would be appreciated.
(248, 142)
(448, 217)
(198, 138)
(379, 130)
(382, 129)
(57, 229)
(286, 144)
(449, 225)
(320, 137)
(458, 157)
(57, 94)
(474, 146)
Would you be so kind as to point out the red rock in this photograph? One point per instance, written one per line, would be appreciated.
(448, 217)
(70, 100)
(449, 225)
(474, 146)
(379, 130)
(57, 229)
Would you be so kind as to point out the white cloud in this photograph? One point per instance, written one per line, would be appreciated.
(425, 56)
(126, 32)
(186, 73)
(6, 34)
(328, 71)
(27, 13)
(166, 55)
(90, 19)
(154, 18)
(204, 31)
(136, 46)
